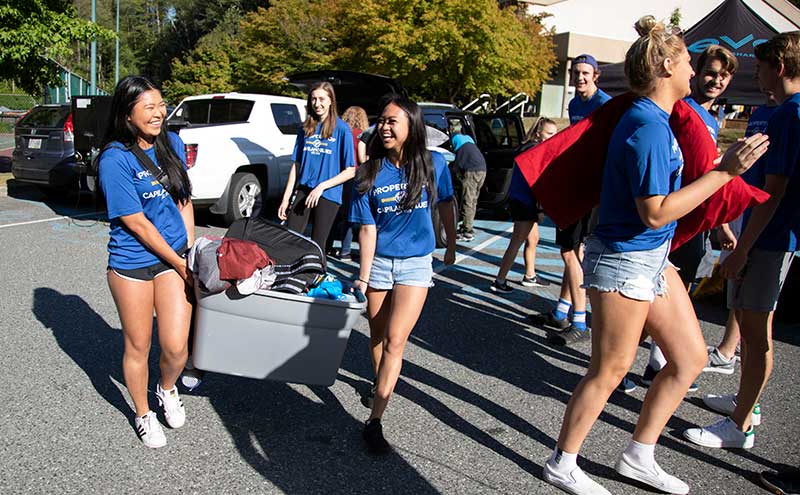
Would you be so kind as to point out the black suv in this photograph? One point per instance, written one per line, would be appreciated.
(44, 151)
(496, 135)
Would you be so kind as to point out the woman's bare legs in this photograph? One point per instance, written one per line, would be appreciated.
(405, 307)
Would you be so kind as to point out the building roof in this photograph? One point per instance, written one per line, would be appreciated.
(593, 18)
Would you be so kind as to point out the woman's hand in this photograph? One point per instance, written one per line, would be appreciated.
(743, 154)
(313, 197)
(282, 209)
(184, 272)
(359, 284)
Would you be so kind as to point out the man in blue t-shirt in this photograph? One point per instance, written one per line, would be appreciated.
(588, 98)
(757, 267)
(722, 358)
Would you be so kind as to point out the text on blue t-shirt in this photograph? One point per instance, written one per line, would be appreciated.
(401, 233)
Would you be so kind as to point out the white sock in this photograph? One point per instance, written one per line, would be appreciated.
(657, 359)
(563, 462)
(641, 454)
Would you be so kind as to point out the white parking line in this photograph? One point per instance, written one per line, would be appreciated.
(462, 256)
(53, 219)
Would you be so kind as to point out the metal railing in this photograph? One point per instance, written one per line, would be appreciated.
(518, 106)
(479, 103)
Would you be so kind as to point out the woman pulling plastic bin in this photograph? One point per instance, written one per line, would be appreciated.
(395, 191)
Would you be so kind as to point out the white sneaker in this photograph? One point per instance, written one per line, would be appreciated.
(726, 404)
(174, 411)
(149, 430)
(575, 482)
(724, 434)
(652, 476)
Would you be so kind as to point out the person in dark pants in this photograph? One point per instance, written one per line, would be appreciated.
(323, 161)
(471, 169)
(356, 118)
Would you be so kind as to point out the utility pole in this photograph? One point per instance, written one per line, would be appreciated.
(116, 55)
(93, 83)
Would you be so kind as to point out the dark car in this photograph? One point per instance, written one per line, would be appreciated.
(44, 151)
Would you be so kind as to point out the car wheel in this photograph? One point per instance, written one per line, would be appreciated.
(244, 197)
(439, 232)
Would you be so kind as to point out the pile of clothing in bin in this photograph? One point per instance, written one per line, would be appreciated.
(258, 255)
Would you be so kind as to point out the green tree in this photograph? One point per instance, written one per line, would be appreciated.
(208, 68)
(290, 36)
(448, 50)
(36, 32)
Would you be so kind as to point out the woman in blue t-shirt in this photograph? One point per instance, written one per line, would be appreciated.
(323, 160)
(626, 272)
(151, 226)
(395, 190)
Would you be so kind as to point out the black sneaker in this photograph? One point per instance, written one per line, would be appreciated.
(373, 437)
(569, 336)
(503, 287)
(534, 281)
(626, 386)
(650, 375)
(368, 398)
(782, 482)
(548, 320)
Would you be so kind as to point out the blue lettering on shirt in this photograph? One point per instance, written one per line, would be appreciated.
(321, 159)
(129, 188)
(643, 160)
(579, 109)
(401, 233)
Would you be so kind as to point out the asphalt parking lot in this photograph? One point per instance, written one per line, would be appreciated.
(477, 409)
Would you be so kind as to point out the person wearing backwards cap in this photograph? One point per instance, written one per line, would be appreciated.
(588, 98)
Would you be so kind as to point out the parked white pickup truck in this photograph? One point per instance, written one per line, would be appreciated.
(238, 147)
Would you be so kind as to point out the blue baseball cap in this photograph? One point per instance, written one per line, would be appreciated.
(585, 59)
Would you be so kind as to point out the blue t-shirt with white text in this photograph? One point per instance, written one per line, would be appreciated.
(322, 159)
(783, 231)
(401, 233)
(643, 159)
(579, 109)
(129, 188)
(711, 123)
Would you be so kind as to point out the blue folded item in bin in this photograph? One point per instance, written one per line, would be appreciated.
(329, 288)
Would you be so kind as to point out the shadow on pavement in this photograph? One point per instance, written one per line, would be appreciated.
(302, 444)
(88, 340)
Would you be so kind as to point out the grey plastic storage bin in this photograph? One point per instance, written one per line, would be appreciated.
(273, 335)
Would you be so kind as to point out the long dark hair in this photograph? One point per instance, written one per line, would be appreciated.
(418, 164)
(310, 125)
(119, 129)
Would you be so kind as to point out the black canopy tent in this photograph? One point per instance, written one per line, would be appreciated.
(732, 25)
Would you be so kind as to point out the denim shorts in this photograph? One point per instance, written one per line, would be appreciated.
(636, 275)
(388, 272)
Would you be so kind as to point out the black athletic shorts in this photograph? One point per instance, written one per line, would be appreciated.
(692, 258)
(572, 237)
(520, 212)
(147, 273)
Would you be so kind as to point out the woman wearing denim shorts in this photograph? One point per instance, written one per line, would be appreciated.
(626, 272)
(392, 201)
